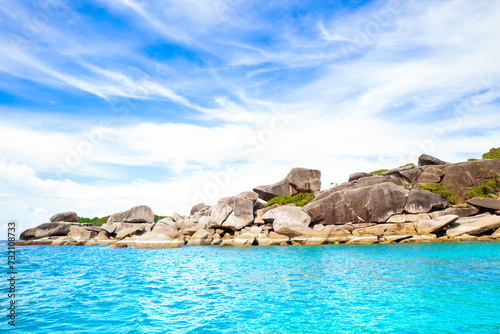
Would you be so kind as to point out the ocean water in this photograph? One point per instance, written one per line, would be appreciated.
(412, 288)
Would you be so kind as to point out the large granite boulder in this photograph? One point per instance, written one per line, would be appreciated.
(375, 203)
(69, 216)
(288, 220)
(461, 177)
(46, 230)
(485, 203)
(430, 175)
(423, 201)
(155, 240)
(425, 160)
(83, 232)
(234, 212)
(130, 232)
(197, 208)
(201, 237)
(137, 214)
(167, 230)
(298, 180)
(435, 225)
(473, 225)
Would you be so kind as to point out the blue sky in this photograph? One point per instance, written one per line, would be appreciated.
(109, 104)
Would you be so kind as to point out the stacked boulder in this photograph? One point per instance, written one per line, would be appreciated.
(368, 209)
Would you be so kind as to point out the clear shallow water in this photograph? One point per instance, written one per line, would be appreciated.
(425, 288)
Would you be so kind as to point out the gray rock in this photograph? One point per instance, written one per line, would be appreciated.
(242, 214)
(423, 201)
(486, 203)
(130, 232)
(460, 212)
(425, 160)
(289, 221)
(201, 237)
(430, 175)
(357, 176)
(220, 212)
(250, 195)
(412, 175)
(46, 230)
(69, 216)
(197, 208)
(137, 214)
(473, 226)
(298, 180)
(375, 203)
(167, 230)
(434, 225)
(83, 232)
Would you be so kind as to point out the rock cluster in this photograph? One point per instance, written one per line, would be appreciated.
(368, 209)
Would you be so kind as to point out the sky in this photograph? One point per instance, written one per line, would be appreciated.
(105, 105)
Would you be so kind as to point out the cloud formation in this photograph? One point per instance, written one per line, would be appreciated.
(109, 104)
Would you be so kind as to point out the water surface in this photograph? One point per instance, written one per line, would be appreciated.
(424, 288)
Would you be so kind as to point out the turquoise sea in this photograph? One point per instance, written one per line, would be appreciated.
(412, 288)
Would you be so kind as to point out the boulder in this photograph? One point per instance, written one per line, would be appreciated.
(460, 212)
(386, 229)
(461, 177)
(496, 234)
(423, 201)
(168, 221)
(298, 180)
(201, 237)
(377, 179)
(288, 220)
(435, 225)
(241, 215)
(430, 175)
(137, 214)
(46, 230)
(420, 239)
(198, 207)
(69, 216)
(485, 203)
(259, 213)
(244, 239)
(473, 226)
(249, 195)
(155, 240)
(167, 230)
(375, 203)
(362, 240)
(357, 176)
(412, 175)
(425, 160)
(129, 232)
(83, 232)
(233, 212)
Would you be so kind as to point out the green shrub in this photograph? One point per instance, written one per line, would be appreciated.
(159, 218)
(380, 171)
(96, 221)
(472, 159)
(300, 199)
(408, 164)
(494, 153)
(488, 189)
(442, 190)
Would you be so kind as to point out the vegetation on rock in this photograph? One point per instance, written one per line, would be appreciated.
(494, 153)
(408, 165)
(159, 218)
(300, 199)
(96, 221)
(442, 190)
(379, 172)
(488, 189)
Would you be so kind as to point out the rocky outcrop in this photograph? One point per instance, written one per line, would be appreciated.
(234, 212)
(298, 180)
(138, 214)
(69, 216)
(461, 177)
(197, 208)
(288, 220)
(423, 201)
(46, 230)
(485, 203)
(375, 203)
(473, 225)
(435, 225)
(425, 160)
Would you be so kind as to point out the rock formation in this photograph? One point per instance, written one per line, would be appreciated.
(384, 208)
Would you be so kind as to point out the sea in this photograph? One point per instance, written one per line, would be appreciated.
(400, 288)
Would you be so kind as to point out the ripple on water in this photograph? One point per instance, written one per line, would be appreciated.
(322, 289)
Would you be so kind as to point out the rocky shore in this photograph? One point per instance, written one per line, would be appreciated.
(386, 207)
